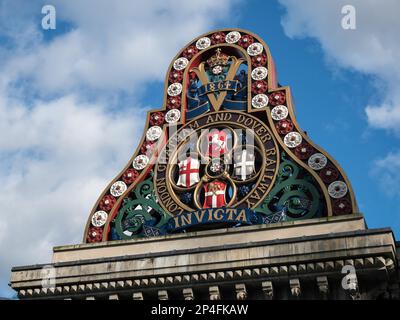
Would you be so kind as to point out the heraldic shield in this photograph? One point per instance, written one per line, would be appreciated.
(217, 144)
(244, 164)
(214, 193)
(226, 136)
(188, 172)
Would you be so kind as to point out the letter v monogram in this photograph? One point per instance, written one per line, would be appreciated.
(201, 73)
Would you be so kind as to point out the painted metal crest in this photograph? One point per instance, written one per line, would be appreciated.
(225, 150)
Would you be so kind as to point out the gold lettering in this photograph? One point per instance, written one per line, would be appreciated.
(210, 119)
(200, 218)
(266, 137)
(250, 203)
(261, 131)
(172, 207)
(255, 195)
(240, 119)
(228, 116)
(210, 215)
(241, 216)
(194, 125)
(219, 116)
(263, 187)
(268, 162)
(162, 188)
(218, 214)
(248, 122)
(168, 201)
(270, 152)
(230, 212)
(176, 222)
(186, 219)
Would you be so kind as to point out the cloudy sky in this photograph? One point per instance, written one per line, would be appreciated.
(73, 100)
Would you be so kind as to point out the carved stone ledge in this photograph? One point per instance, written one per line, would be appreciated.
(371, 252)
(268, 289)
(241, 292)
(295, 287)
(214, 293)
(323, 286)
(299, 270)
(162, 295)
(137, 296)
(188, 294)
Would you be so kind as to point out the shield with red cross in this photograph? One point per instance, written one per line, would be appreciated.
(214, 194)
(217, 143)
(188, 172)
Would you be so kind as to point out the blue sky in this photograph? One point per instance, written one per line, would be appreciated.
(73, 100)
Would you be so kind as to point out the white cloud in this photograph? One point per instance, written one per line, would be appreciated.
(115, 47)
(56, 159)
(373, 48)
(385, 116)
(387, 171)
(60, 141)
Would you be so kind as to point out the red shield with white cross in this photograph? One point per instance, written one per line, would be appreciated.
(217, 143)
(214, 193)
(188, 172)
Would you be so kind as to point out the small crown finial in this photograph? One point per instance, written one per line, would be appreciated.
(218, 58)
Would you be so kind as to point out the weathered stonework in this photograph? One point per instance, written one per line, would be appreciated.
(297, 260)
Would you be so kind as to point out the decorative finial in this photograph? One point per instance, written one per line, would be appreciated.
(218, 59)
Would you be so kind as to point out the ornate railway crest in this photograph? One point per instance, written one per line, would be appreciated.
(225, 150)
(226, 171)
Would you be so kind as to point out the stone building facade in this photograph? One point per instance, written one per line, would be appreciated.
(301, 260)
(226, 197)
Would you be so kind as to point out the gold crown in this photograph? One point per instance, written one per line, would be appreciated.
(218, 59)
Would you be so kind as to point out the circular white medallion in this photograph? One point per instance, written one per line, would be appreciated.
(174, 89)
(337, 189)
(259, 73)
(279, 113)
(153, 133)
(140, 162)
(216, 167)
(180, 63)
(317, 161)
(118, 188)
(203, 43)
(173, 116)
(259, 101)
(292, 139)
(233, 37)
(255, 49)
(99, 218)
(217, 70)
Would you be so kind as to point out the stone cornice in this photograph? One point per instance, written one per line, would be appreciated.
(371, 252)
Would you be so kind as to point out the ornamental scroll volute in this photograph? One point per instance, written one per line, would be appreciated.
(225, 150)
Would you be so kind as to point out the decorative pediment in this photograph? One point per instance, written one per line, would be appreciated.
(224, 150)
